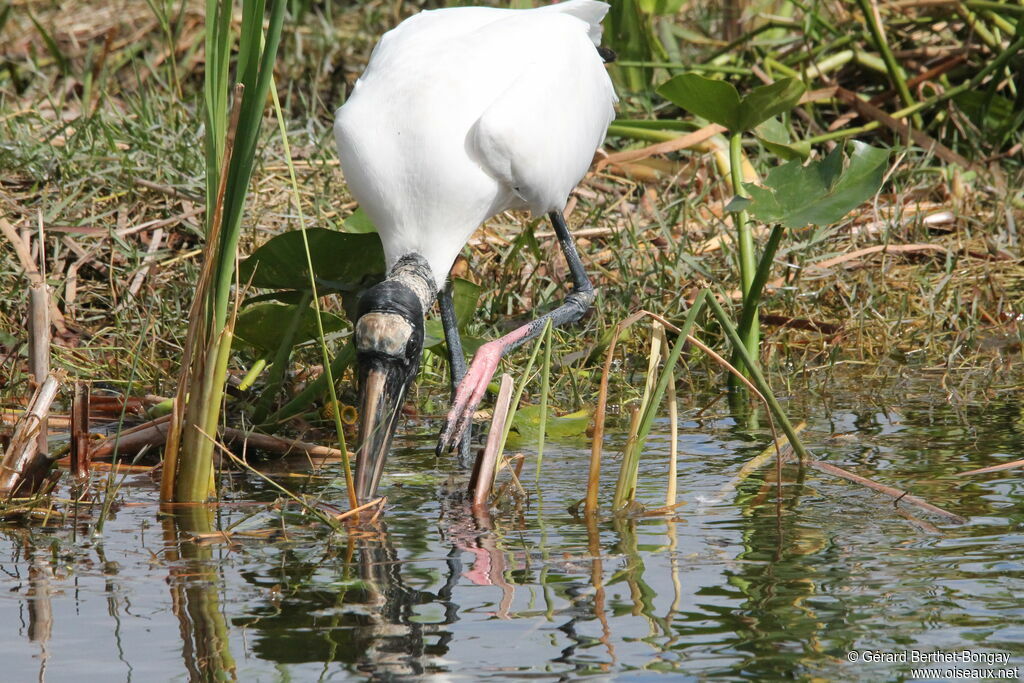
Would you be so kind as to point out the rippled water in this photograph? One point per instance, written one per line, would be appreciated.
(735, 587)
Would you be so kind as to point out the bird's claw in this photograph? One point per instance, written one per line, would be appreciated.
(467, 397)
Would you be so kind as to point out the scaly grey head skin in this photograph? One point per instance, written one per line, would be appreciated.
(389, 343)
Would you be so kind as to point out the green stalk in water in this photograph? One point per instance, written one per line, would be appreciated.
(230, 154)
(758, 379)
(744, 243)
(748, 319)
(520, 387)
(625, 489)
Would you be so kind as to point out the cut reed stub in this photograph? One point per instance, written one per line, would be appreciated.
(24, 466)
(80, 460)
(483, 474)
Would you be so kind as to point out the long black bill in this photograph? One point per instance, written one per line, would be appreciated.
(382, 390)
(389, 341)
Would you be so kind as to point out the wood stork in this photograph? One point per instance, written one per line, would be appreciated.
(463, 113)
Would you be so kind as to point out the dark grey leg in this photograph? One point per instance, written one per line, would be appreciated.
(456, 361)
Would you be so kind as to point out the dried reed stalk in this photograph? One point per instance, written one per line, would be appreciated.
(25, 464)
(80, 460)
(992, 468)
(38, 312)
(483, 474)
(154, 433)
(892, 492)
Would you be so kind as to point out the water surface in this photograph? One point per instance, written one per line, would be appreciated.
(733, 586)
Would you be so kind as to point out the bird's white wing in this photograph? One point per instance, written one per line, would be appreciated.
(589, 11)
(466, 112)
(539, 135)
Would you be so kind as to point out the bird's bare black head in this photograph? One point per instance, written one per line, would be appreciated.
(389, 342)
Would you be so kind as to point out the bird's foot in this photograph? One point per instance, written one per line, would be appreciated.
(470, 392)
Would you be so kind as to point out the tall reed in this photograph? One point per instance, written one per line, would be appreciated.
(230, 147)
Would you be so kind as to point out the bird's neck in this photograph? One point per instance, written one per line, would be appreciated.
(413, 271)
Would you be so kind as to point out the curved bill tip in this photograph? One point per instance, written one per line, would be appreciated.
(381, 390)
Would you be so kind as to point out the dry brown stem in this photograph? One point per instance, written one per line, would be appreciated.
(24, 464)
(483, 474)
(154, 433)
(80, 460)
(993, 468)
(892, 492)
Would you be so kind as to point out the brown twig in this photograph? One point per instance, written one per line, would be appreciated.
(898, 495)
(673, 145)
(337, 517)
(904, 129)
(992, 468)
(167, 190)
(154, 433)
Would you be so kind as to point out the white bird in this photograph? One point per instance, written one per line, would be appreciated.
(461, 114)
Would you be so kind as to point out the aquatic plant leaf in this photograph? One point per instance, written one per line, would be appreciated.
(719, 102)
(342, 262)
(433, 333)
(819, 193)
(770, 100)
(433, 339)
(464, 297)
(465, 294)
(526, 425)
(775, 137)
(714, 100)
(264, 325)
(358, 223)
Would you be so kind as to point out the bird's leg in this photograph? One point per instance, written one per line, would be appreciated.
(485, 361)
(456, 359)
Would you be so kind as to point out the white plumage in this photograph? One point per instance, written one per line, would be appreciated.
(466, 112)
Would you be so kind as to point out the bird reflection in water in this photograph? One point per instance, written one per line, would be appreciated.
(395, 637)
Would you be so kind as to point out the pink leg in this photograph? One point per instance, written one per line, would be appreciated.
(485, 362)
(474, 384)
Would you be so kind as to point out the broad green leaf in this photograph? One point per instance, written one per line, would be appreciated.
(526, 425)
(821, 193)
(714, 100)
(264, 325)
(433, 339)
(358, 223)
(341, 262)
(284, 296)
(433, 333)
(719, 102)
(465, 294)
(767, 101)
(464, 297)
(775, 137)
